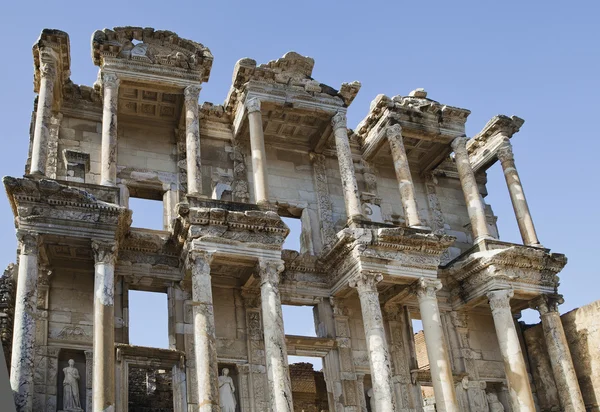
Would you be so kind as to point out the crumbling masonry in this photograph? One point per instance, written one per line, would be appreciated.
(394, 228)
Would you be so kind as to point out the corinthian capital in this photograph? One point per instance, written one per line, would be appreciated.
(270, 270)
(426, 288)
(110, 81)
(366, 281)
(199, 260)
(393, 131)
(505, 152)
(105, 251)
(500, 299)
(459, 144)
(253, 105)
(191, 94)
(28, 242)
(547, 303)
(339, 120)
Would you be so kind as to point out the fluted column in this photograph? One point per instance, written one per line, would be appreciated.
(23, 352)
(567, 384)
(205, 345)
(41, 129)
(405, 182)
(435, 343)
(278, 374)
(473, 199)
(259, 155)
(108, 167)
(344, 154)
(192, 140)
(521, 398)
(517, 195)
(379, 358)
(103, 379)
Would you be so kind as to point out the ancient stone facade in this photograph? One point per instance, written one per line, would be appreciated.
(394, 228)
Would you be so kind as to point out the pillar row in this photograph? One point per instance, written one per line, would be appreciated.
(259, 155)
(108, 167)
(192, 140)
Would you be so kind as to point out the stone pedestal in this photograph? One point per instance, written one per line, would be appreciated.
(437, 351)
(565, 378)
(517, 195)
(259, 155)
(405, 183)
(473, 199)
(280, 387)
(344, 154)
(41, 130)
(379, 357)
(108, 166)
(23, 352)
(103, 380)
(192, 140)
(521, 398)
(205, 346)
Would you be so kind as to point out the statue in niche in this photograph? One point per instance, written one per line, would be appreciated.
(371, 396)
(493, 402)
(226, 392)
(71, 402)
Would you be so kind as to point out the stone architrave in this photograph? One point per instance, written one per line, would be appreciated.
(435, 343)
(259, 155)
(517, 194)
(41, 130)
(521, 398)
(379, 358)
(567, 384)
(192, 140)
(278, 375)
(405, 182)
(23, 353)
(344, 154)
(473, 199)
(108, 166)
(205, 345)
(103, 380)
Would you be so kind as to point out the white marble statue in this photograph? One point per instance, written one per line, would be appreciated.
(493, 403)
(226, 392)
(371, 399)
(71, 402)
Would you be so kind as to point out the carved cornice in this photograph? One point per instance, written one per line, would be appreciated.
(105, 251)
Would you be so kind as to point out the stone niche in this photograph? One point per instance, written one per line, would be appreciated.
(63, 361)
(234, 374)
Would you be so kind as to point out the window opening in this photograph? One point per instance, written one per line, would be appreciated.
(148, 319)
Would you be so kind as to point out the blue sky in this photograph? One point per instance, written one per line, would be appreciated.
(537, 60)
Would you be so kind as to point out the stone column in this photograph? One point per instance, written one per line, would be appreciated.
(41, 129)
(23, 352)
(559, 354)
(517, 195)
(473, 198)
(379, 358)
(192, 140)
(205, 344)
(108, 167)
(521, 398)
(405, 183)
(435, 343)
(344, 154)
(278, 374)
(103, 380)
(259, 155)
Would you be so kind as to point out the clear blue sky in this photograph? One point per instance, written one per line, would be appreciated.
(537, 60)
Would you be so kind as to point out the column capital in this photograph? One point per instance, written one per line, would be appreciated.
(269, 270)
(365, 281)
(253, 105)
(110, 81)
(201, 258)
(459, 144)
(29, 242)
(425, 288)
(547, 303)
(500, 299)
(393, 131)
(505, 152)
(48, 60)
(105, 251)
(316, 157)
(339, 120)
(191, 93)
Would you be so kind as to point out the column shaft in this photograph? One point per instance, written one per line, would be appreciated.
(108, 168)
(23, 351)
(278, 375)
(344, 154)
(510, 347)
(44, 110)
(473, 199)
(205, 345)
(405, 182)
(103, 379)
(192, 140)
(379, 357)
(517, 195)
(259, 155)
(435, 343)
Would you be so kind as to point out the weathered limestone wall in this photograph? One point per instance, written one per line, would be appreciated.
(583, 334)
(421, 349)
(484, 348)
(80, 135)
(146, 148)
